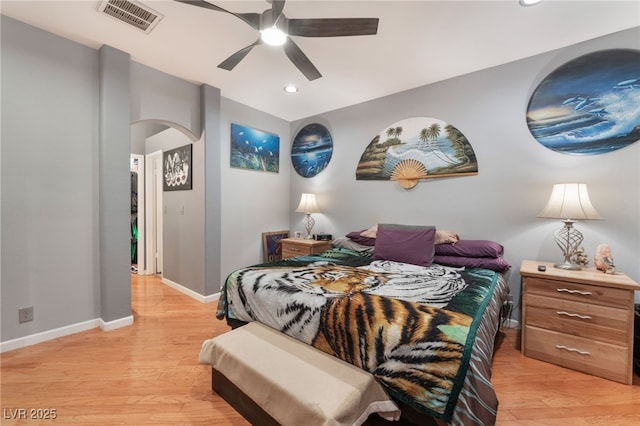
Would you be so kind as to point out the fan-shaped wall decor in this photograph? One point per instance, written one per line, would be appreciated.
(590, 105)
(311, 150)
(417, 148)
(408, 172)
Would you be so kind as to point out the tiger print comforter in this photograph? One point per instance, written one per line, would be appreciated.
(412, 327)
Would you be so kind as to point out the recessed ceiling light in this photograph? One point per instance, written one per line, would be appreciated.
(273, 36)
(529, 2)
(290, 88)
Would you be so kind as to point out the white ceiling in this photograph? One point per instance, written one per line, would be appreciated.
(418, 42)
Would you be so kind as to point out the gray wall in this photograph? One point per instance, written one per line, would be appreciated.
(162, 98)
(114, 185)
(253, 202)
(159, 101)
(183, 217)
(515, 177)
(211, 117)
(49, 180)
(64, 219)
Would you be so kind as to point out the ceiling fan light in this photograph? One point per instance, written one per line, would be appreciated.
(273, 36)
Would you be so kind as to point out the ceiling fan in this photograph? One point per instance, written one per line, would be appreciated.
(273, 23)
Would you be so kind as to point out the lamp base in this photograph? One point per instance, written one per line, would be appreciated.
(308, 222)
(568, 266)
(568, 239)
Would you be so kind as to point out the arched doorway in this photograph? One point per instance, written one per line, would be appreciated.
(148, 141)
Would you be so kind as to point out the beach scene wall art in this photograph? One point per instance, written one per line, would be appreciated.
(590, 105)
(254, 149)
(417, 148)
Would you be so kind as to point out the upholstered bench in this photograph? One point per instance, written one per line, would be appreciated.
(271, 378)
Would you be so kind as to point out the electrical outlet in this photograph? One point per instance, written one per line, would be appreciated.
(25, 314)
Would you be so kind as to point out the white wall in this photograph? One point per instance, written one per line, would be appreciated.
(516, 172)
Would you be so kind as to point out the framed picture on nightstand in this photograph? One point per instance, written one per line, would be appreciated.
(271, 245)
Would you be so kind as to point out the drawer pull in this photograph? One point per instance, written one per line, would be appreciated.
(566, 348)
(566, 290)
(569, 314)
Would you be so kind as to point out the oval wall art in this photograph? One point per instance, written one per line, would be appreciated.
(590, 105)
(417, 148)
(311, 150)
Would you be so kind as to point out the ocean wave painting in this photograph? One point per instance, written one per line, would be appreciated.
(417, 148)
(311, 150)
(590, 105)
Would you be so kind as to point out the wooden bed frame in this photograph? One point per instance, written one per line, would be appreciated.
(240, 401)
(257, 416)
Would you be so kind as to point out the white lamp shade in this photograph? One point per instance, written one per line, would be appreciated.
(308, 204)
(569, 201)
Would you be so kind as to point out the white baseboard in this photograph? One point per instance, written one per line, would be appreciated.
(32, 339)
(113, 325)
(182, 289)
(44, 336)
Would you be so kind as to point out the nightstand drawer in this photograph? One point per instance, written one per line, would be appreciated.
(579, 319)
(567, 290)
(291, 250)
(597, 358)
(292, 247)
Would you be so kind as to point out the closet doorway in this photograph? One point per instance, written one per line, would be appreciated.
(137, 222)
(148, 247)
(153, 207)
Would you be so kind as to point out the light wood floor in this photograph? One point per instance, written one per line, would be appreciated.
(147, 374)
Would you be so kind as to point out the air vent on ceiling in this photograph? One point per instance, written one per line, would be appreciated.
(131, 12)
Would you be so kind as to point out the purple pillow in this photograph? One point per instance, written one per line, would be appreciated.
(357, 238)
(471, 248)
(406, 244)
(494, 263)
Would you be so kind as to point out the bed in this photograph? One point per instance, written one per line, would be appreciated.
(424, 329)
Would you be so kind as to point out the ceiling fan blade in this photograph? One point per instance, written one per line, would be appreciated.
(253, 19)
(233, 60)
(300, 60)
(276, 10)
(333, 27)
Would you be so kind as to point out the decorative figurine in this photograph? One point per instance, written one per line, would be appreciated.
(611, 268)
(603, 260)
(580, 257)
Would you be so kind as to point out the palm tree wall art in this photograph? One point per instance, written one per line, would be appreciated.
(417, 148)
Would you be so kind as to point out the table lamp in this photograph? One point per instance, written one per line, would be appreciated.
(307, 206)
(569, 201)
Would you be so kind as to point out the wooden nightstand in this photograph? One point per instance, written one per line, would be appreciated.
(581, 320)
(292, 247)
